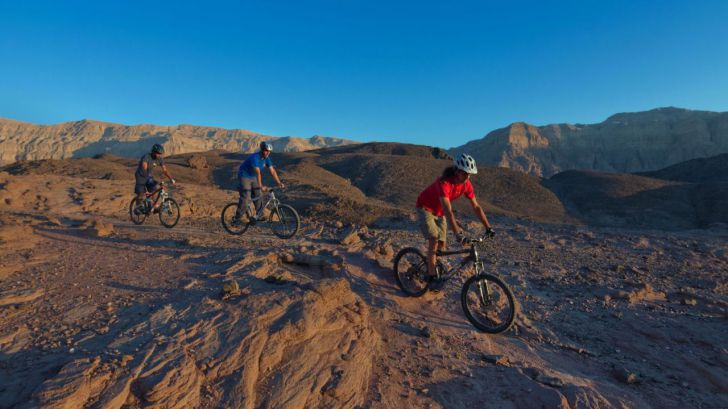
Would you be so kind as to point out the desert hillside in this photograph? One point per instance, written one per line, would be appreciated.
(373, 183)
(358, 183)
(625, 143)
(703, 170)
(25, 141)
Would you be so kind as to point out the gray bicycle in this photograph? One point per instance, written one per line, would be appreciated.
(487, 301)
(168, 209)
(282, 219)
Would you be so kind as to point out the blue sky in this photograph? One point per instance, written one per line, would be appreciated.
(429, 72)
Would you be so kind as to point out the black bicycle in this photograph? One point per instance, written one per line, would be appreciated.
(487, 301)
(283, 219)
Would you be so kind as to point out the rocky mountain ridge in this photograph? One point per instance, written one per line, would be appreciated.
(625, 142)
(86, 138)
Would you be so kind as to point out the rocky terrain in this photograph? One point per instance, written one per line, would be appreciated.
(626, 142)
(98, 312)
(25, 141)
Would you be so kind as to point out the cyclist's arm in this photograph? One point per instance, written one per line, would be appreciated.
(479, 212)
(145, 169)
(275, 175)
(450, 216)
(166, 173)
(260, 179)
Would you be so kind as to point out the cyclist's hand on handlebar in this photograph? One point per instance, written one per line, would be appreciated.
(460, 237)
(281, 185)
(264, 188)
(489, 232)
(173, 181)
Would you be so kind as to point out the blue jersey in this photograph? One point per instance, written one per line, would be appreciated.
(247, 168)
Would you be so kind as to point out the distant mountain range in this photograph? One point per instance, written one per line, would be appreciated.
(25, 141)
(626, 142)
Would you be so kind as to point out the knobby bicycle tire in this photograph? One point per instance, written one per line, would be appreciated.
(172, 204)
(286, 215)
(417, 270)
(136, 218)
(226, 219)
(510, 299)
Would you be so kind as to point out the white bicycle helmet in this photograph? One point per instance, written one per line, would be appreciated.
(466, 163)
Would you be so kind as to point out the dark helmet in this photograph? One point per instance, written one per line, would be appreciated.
(265, 146)
(157, 148)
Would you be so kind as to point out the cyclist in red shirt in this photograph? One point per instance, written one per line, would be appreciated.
(434, 203)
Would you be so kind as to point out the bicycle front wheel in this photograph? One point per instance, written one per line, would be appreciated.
(232, 225)
(284, 221)
(137, 211)
(169, 213)
(488, 303)
(410, 271)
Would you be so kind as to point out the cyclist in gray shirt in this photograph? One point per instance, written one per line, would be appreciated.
(144, 179)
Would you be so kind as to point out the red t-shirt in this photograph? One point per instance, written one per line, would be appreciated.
(429, 199)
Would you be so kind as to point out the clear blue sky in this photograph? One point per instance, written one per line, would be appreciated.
(431, 72)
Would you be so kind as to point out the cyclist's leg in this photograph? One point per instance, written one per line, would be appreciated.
(139, 190)
(431, 231)
(441, 233)
(151, 186)
(244, 189)
(255, 191)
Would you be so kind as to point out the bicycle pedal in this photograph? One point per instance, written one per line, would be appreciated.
(436, 285)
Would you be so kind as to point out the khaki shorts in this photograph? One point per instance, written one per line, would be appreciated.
(432, 226)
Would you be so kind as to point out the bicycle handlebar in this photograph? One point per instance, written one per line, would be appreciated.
(479, 239)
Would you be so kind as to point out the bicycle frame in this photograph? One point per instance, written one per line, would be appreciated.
(160, 192)
(472, 256)
(270, 197)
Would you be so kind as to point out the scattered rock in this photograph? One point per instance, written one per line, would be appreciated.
(53, 221)
(646, 293)
(326, 264)
(230, 288)
(351, 239)
(288, 258)
(496, 359)
(549, 380)
(98, 228)
(426, 332)
(275, 279)
(625, 376)
(197, 162)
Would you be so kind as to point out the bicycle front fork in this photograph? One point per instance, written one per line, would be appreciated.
(483, 290)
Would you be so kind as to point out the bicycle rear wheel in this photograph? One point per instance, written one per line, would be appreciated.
(169, 213)
(284, 221)
(488, 303)
(410, 271)
(137, 211)
(232, 226)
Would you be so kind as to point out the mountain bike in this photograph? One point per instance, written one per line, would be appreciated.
(283, 219)
(168, 209)
(487, 301)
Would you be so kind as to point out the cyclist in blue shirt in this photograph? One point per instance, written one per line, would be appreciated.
(250, 178)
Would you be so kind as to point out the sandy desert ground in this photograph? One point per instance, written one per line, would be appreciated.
(97, 312)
